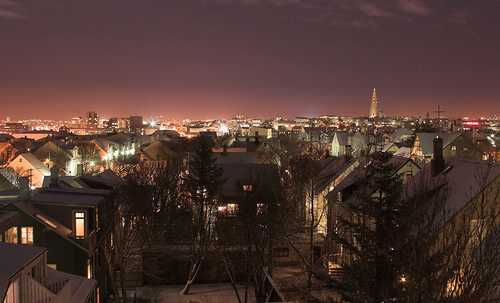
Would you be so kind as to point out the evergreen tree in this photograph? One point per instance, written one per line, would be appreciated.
(202, 183)
(372, 233)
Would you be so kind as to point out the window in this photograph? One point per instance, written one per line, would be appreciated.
(89, 269)
(232, 208)
(53, 266)
(248, 187)
(27, 235)
(454, 147)
(80, 225)
(11, 235)
(261, 208)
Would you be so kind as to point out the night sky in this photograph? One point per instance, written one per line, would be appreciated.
(216, 58)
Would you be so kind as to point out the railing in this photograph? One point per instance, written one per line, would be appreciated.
(33, 291)
(56, 286)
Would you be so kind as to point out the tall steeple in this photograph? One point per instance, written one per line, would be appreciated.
(374, 105)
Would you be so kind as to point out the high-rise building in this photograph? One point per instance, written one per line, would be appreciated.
(136, 124)
(92, 120)
(374, 105)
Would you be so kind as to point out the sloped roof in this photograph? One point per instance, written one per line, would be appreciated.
(6, 185)
(342, 137)
(332, 167)
(159, 150)
(235, 175)
(399, 133)
(105, 180)
(74, 196)
(462, 179)
(394, 162)
(13, 258)
(120, 138)
(35, 163)
(235, 158)
(426, 140)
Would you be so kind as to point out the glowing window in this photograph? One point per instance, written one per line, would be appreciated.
(80, 225)
(11, 235)
(89, 269)
(232, 208)
(247, 187)
(27, 235)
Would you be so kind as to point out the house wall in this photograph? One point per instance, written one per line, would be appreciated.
(23, 169)
(67, 257)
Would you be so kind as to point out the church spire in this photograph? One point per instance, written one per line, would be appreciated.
(374, 105)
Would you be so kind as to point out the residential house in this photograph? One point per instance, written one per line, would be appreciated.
(28, 165)
(68, 222)
(454, 145)
(346, 144)
(158, 151)
(26, 277)
(65, 157)
(348, 183)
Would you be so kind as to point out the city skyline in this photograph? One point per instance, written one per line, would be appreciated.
(278, 58)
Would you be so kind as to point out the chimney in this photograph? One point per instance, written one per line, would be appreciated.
(437, 162)
(348, 152)
(54, 177)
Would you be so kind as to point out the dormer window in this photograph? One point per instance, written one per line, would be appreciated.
(80, 224)
(247, 187)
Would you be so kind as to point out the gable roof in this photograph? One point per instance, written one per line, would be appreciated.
(394, 162)
(462, 179)
(332, 168)
(158, 150)
(34, 162)
(426, 140)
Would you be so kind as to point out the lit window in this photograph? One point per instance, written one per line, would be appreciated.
(27, 235)
(261, 207)
(80, 225)
(11, 235)
(232, 208)
(453, 147)
(53, 266)
(247, 187)
(89, 269)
